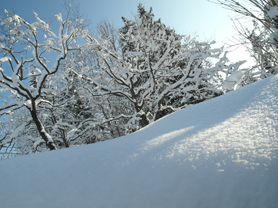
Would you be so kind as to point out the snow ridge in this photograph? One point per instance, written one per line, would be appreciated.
(219, 153)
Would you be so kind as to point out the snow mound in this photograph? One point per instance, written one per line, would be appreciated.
(219, 153)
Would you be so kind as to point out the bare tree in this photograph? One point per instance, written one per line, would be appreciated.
(27, 49)
(261, 40)
(256, 9)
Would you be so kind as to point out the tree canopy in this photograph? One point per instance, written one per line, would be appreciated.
(76, 87)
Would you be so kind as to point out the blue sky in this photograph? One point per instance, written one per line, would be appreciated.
(205, 19)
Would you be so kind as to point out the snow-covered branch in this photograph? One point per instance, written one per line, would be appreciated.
(29, 77)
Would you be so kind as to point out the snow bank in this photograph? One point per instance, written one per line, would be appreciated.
(219, 153)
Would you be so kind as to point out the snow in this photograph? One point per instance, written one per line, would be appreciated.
(135, 53)
(235, 76)
(59, 17)
(274, 35)
(4, 59)
(233, 80)
(17, 130)
(219, 153)
(273, 12)
(49, 138)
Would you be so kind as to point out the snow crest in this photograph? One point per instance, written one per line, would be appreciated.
(219, 153)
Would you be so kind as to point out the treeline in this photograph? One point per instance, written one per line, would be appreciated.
(75, 87)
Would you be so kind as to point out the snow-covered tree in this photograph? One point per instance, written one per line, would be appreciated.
(88, 118)
(27, 64)
(261, 39)
(156, 71)
(57, 92)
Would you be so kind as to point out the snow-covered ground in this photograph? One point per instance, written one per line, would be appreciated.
(219, 153)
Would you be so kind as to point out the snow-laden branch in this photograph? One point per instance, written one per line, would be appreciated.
(29, 77)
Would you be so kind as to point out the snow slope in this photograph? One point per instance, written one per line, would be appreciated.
(219, 153)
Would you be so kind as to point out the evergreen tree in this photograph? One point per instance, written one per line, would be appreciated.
(156, 70)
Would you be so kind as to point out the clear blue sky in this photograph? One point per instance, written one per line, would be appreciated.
(200, 17)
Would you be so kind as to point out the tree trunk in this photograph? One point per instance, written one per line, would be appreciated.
(42, 132)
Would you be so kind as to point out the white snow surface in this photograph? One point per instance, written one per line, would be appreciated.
(219, 153)
(273, 12)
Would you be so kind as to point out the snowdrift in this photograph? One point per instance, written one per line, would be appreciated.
(219, 153)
